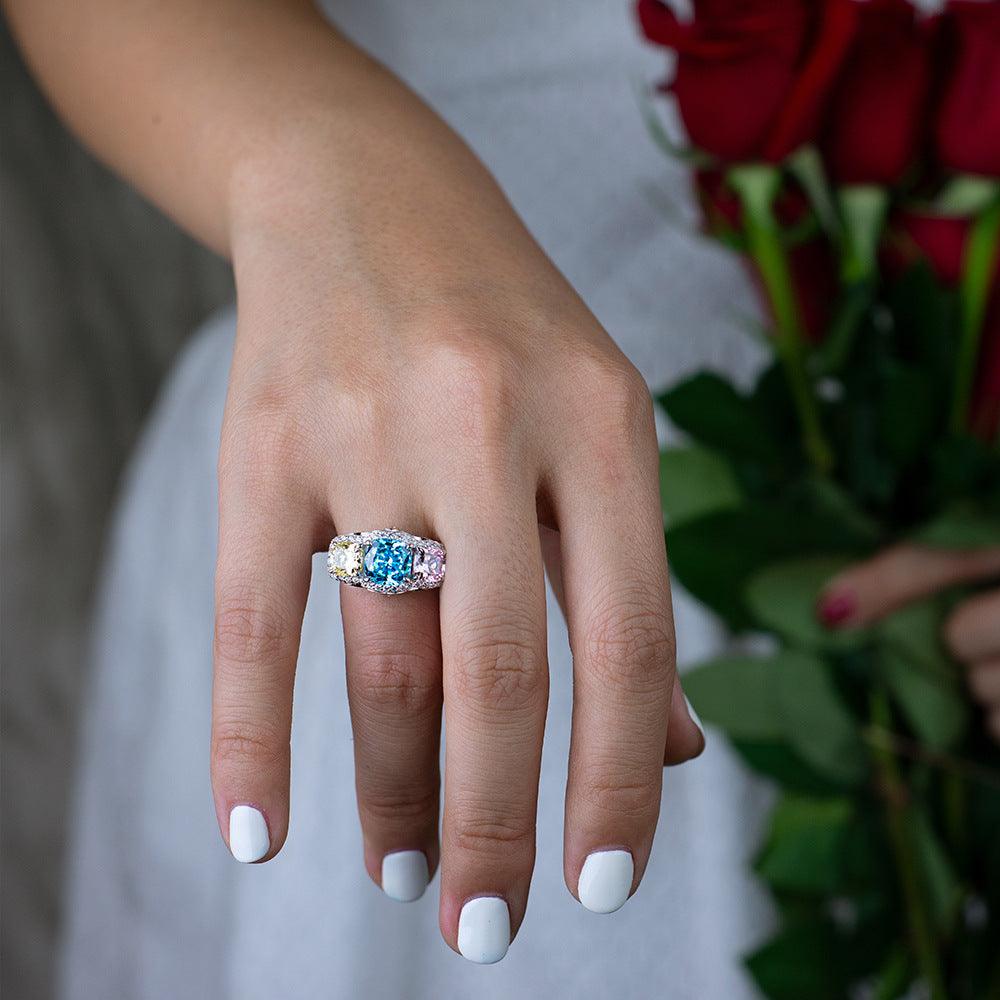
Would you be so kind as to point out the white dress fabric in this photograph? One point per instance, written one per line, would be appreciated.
(156, 907)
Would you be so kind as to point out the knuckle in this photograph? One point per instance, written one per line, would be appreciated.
(614, 414)
(406, 804)
(247, 633)
(624, 797)
(623, 397)
(492, 834)
(500, 671)
(242, 743)
(627, 644)
(400, 681)
(355, 405)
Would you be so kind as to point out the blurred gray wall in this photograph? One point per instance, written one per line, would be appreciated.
(97, 293)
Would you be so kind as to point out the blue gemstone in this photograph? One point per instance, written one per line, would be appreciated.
(388, 561)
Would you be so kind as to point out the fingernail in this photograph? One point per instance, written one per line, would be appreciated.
(248, 836)
(694, 717)
(484, 930)
(699, 727)
(836, 608)
(605, 881)
(404, 875)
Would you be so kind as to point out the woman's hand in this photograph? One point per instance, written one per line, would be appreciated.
(899, 576)
(406, 357)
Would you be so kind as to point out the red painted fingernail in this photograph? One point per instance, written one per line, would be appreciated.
(836, 608)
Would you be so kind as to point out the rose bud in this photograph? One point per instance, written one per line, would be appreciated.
(752, 75)
(878, 108)
(967, 131)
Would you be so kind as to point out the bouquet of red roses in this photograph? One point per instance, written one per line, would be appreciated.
(850, 151)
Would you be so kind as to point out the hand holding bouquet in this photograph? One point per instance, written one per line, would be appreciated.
(848, 506)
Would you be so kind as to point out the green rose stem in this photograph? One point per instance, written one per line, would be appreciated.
(978, 264)
(863, 208)
(757, 186)
(900, 746)
(904, 853)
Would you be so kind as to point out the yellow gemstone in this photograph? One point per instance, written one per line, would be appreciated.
(345, 559)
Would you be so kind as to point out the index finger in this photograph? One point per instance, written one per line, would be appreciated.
(870, 590)
(262, 580)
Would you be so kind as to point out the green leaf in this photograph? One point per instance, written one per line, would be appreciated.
(804, 848)
(960, 528)
(920, 676)
(694, 482)
(815, 720)
(715, 414)
(907, 416)
(916, 632)
(779, 762)
(867, 860)
(961, 467)
(934, 708)
(895, 975)
(801, 961)
(833, 503)
(784, 597)
(944, 891)
(714, 556)
(735, 694)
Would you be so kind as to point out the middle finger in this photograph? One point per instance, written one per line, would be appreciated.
(495, 695)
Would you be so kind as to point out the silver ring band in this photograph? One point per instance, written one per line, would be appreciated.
(387, 562)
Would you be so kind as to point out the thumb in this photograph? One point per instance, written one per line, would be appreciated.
(899, 576)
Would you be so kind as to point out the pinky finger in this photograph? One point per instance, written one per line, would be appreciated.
(685, 738)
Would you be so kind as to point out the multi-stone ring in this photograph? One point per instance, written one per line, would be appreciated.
(387, 562)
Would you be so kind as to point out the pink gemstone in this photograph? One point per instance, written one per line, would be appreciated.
(429, 565)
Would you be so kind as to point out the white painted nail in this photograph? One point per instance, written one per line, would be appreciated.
(484, 930)
(248, 837)
(694, 715)
(605, 881)
(404, 875)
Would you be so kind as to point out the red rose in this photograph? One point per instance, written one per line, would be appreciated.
(878, 108)
(752, 75)
(811, 262)
(940, 241)
(968, 124)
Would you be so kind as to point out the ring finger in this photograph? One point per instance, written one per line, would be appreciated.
(393, 653)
